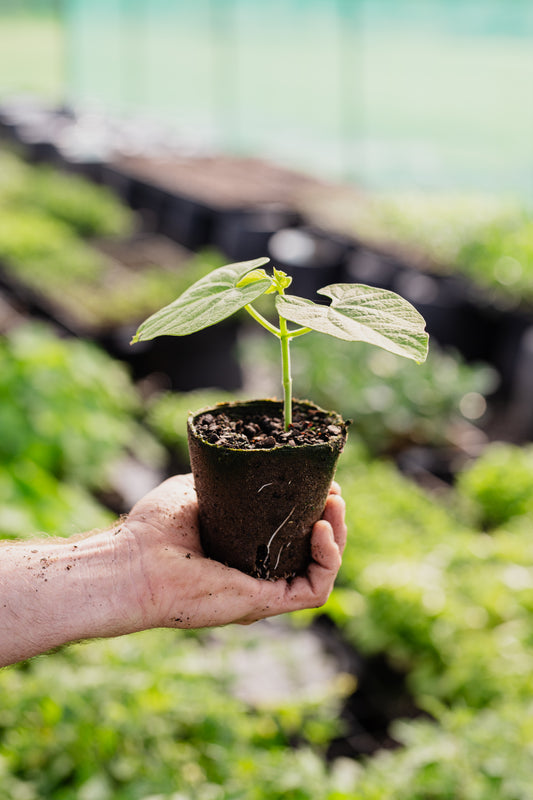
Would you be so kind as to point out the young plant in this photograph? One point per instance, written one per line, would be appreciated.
(356, 313)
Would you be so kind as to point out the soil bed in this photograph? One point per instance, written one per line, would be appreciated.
(262, 431)
(222, 181)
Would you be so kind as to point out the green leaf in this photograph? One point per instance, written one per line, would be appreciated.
(281, 279)
(362, 313)
(208, 301)
(252, 277)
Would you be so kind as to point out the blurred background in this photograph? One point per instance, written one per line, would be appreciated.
(144, 142)
(434, 94)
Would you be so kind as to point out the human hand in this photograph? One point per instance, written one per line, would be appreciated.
(180, 587)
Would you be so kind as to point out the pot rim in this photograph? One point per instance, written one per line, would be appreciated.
(234, 404)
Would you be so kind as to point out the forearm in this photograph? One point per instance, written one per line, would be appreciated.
(53, 592)
(149, 571)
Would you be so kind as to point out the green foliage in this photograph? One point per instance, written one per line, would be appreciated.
(448, 604)
(154, 715)
(120, 296)
(438, 225)
(33, 500)
(356, 313)
(43, 221)
(67, 408)
(483, 755)
(87, 209)
(80, 281)
(502, 259)
(45, 252)
(499, 485)
(486, 237)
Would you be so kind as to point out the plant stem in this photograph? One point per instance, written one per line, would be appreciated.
(299, 332)
(285, 336)
(285, 339)
(262, 321)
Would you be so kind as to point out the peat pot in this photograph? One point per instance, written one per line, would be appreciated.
(257, 506)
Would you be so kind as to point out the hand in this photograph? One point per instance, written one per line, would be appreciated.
(179, 587)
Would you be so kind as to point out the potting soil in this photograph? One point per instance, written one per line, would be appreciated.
(261, 431)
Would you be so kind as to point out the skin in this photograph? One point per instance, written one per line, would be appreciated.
(148, 571)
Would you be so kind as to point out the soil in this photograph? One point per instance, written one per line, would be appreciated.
(144, 250)
(224, 181)
(262, 431)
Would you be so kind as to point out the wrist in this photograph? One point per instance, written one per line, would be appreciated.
(108, 568)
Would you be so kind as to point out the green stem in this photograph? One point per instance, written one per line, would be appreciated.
(286, 372)
(284, 335)
(262, 321)
(299, 332)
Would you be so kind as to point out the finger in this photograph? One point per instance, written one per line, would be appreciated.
(326, 562)
(334, 513)
(256, 599)
(334, 488)
(329, 535)
(309, 591)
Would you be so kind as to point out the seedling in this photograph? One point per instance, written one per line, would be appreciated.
(356, 313)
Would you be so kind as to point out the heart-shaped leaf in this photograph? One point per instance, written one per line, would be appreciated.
(206, 302)
(362, 313)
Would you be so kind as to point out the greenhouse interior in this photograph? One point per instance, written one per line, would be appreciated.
(145, 144)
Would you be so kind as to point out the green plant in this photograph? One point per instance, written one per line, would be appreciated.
(447, 604)
(483, 755)
(356, 313)
(43, 251)
(499, 485)
(76, 411)
(86, 209)
(82, 282)
(487, 237)
(157, 715)
(33, 499)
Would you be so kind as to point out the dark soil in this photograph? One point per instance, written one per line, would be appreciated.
(261, 431)
(144, 250)
(223, 181)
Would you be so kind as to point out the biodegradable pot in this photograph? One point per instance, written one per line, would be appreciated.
(257, 506)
